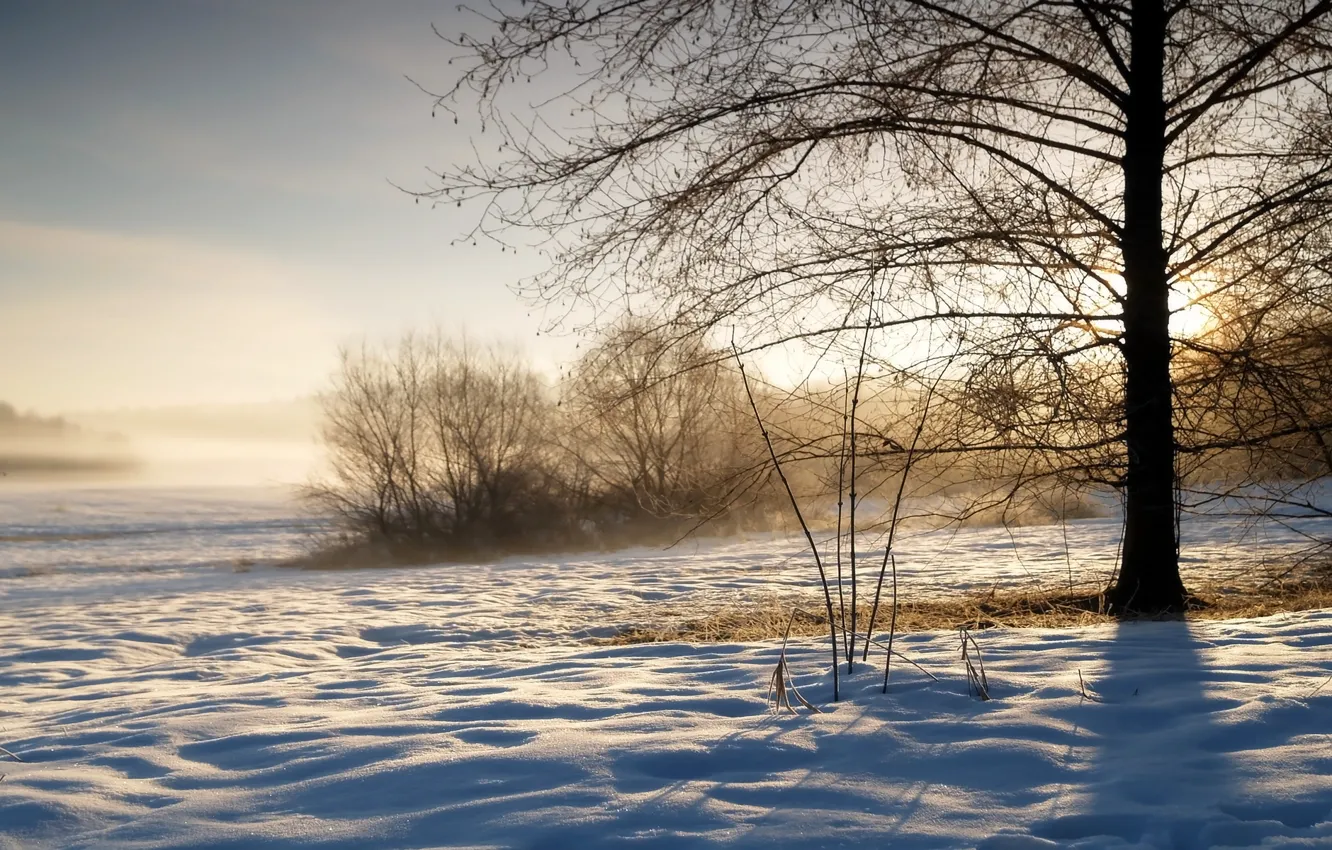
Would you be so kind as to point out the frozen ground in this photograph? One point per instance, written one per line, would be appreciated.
(160, 698)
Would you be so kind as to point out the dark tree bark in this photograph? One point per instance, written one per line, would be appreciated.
(1149, 576)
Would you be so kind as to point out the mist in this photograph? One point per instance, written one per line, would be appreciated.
(221, 445)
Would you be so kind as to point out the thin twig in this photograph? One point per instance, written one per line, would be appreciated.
(14, 756)
(795, 506)
(1319, 688)
(777, 684)
(1082, 688)
(1063, 525)
(855, 402)
(841, 483)
(897, 508)
(892, 625)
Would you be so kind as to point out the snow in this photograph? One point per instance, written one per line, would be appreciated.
(160, 698)
(134, 528)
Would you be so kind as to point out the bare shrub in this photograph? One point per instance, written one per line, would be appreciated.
(657, 428)
(442, 447)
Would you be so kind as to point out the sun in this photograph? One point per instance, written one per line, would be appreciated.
(1191, 315)
(1191, 302)
(1189, 319)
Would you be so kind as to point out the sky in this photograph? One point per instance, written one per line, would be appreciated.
(197, 200)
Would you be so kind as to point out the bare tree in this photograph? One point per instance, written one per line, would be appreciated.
(488, 415)
(659, 425)
(365, 427)
(1025, 184)
(438, 444)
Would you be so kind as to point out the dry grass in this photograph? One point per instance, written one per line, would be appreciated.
(767, 618)
(780, 686)
(977, 683)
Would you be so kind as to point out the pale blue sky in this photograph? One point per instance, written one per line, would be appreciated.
(195, 201)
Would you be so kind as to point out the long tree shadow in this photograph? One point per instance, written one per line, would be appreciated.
(1162, 764)
(1146, 717)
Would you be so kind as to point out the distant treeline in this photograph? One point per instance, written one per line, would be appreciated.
(15, 424)
(441, 448)
(33, 445)
(444, 448)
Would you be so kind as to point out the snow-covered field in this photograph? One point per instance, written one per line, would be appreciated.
(166, 686)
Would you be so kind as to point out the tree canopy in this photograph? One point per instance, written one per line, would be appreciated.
(1014, 197)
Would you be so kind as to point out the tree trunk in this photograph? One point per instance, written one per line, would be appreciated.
(1149, 573)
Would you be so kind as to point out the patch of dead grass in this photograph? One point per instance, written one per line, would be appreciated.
(767, 618)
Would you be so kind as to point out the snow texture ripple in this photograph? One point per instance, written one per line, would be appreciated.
(462, 707)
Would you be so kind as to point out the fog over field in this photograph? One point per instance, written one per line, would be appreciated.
(217, 445)
(199, 445)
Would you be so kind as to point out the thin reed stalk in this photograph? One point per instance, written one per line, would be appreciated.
(897, 512)
(855, 402)
(976, 681)
(841, 485)
(800, 517)
(780, 688)
(892, 624)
